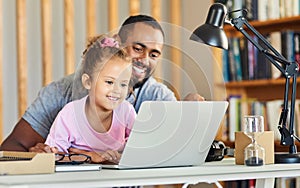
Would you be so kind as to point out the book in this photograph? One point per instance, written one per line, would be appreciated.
(287, 45)
(295, 6)
(252, 183)
(282, 8)
(234, 115)
(274, 109)
(273, 9)
(297, 48)
(237, 59)
(297, 118)
(251, 6)
(251, 60)
(289, 8)
(263, 67)
(225, 66)
(262, 10)
(275, 41)
(243, 45)
(231, 61)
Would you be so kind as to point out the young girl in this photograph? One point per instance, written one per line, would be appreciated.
(99, 123)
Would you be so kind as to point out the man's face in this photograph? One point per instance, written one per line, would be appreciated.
(144, 44)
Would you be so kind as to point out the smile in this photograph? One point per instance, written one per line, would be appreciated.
(139, 70)
(113, 98)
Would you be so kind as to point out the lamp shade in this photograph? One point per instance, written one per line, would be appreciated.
(212, 33)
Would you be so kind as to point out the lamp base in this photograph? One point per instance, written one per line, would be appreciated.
(281, 157)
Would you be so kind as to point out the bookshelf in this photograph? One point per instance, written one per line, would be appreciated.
(263, 89)
(268, 26)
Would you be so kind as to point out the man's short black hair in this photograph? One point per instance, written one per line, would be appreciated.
(128, 25)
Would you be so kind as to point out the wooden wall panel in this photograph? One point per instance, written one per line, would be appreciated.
(21, 56)
(69, 37)
(176, 55)
(46, 14)
(156, 9)
(156, 13)
(134, 7)
(90, 18)
(113, 16)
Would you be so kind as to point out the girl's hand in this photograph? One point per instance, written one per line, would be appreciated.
(99, 157)
(112, 156)
(43, 148)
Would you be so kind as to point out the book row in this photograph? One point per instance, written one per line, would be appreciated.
(263, 9)
(270, 110)
(243, 61)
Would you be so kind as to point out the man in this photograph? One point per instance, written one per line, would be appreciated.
(143, 38)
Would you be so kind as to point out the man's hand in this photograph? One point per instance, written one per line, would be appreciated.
(193, 97)
(43, 148)
(99, 157)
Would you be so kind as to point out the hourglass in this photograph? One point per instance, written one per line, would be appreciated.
(253, 128)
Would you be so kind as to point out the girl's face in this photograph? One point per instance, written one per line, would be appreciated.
(109, 86)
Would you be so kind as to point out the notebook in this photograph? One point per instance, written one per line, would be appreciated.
(79, 167)
(172, 134)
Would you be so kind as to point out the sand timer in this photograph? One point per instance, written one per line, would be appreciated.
(253, 128)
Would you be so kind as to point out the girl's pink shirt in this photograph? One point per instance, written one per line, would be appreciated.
(72, 129)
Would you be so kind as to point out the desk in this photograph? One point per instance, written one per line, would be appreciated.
(209, 172)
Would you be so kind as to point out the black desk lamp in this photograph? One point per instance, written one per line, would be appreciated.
(212, 33)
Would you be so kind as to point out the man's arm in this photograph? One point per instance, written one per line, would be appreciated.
(21, 138)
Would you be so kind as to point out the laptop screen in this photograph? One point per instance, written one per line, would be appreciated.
(172, 133)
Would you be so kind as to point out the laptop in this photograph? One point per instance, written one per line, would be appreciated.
(171, 134)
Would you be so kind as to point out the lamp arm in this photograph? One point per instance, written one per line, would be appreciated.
(239, 22)
(290, 70)
(287, 135)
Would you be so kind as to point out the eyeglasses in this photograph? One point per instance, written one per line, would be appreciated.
(72, 159)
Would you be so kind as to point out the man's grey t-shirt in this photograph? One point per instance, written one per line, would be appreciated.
(52, 98)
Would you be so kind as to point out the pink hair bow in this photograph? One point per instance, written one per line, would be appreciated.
(110, 42)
